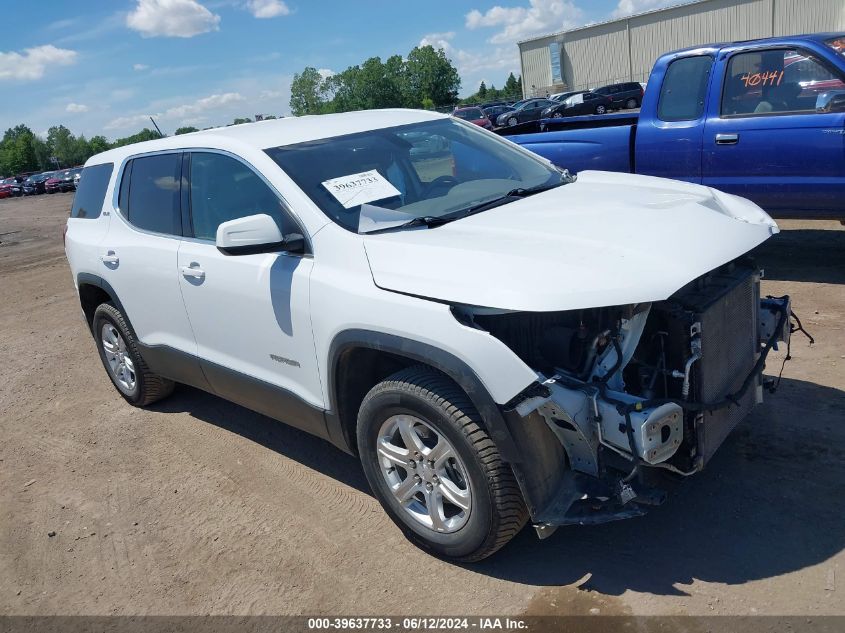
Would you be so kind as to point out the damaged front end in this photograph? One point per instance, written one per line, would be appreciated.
(633, 397)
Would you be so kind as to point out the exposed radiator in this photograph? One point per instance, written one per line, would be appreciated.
(729, 344)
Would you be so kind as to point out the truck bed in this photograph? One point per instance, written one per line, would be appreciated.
(604, 142)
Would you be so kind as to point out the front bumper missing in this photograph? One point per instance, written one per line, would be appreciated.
(595, 488)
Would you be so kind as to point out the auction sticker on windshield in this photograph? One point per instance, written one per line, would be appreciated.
(357, 189)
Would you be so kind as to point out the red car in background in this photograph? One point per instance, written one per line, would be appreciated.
(11, 187)
(473, 115)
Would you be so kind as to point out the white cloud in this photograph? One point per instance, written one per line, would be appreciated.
(76, 107)
(128, 121)
(521, 22)
(201, 105)
(139, 67)
(325, 73)
(172, 18)
(34, 61)
(630, 7)
(267, 8)
(469, 63)
(439, 40)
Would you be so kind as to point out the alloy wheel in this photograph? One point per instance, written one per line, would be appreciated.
(117, 356)
(424, 472)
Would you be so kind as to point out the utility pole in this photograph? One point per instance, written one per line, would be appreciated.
(157, 129)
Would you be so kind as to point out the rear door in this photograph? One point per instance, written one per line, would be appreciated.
(766, 140)
(138, 259)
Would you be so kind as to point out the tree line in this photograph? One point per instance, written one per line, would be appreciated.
(22, 151)
(511, 91)
(424, 79)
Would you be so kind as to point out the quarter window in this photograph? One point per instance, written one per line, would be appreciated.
(775, 81)
(684, 88)
(153, 200)
(91, 192)
(224, 189)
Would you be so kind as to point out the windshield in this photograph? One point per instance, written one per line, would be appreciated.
(470, 114)
(434, 169)
(837, 44)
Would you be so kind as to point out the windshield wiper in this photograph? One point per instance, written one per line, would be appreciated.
(428, 221)
(519, 192)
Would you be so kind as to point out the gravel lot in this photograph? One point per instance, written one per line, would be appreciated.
(199, 506)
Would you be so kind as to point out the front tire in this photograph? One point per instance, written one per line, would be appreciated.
(122, 361)
(434, 468)
(512, 121)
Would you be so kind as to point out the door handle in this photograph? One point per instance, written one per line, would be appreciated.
(193, 271)
(727, 139)
(110, 258)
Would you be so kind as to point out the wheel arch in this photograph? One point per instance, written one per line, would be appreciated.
(383, 352)
(93, 291)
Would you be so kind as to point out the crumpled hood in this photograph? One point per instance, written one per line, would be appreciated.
(606, 239)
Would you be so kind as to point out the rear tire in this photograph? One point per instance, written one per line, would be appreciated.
(122, 361)
(601, 109)
(631, 104)
(464, 503)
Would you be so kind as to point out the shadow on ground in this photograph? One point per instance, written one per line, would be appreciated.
(768, 504)
(294, 444)
(814, 255)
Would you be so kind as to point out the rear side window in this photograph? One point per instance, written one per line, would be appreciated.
(684, 88)
(153, 199)
(91, 192)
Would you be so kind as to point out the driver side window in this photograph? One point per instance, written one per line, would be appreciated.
(224, 189)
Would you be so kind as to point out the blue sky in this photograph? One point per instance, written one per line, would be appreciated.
(103, 66)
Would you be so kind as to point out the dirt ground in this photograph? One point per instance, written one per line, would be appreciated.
(198, 506)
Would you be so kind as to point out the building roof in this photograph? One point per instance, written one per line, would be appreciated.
(276, 132)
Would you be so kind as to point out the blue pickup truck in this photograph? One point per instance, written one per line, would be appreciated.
(763, 119)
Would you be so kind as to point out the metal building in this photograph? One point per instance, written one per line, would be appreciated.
(625, 49)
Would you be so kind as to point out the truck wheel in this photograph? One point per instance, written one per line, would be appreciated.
(434, 469)
(600, 109)
(124, 365)
(631, 104)
(512, 121)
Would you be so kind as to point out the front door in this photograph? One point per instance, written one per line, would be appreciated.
(249, 313)
(766, 140)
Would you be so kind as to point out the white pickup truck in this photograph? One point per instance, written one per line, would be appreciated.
(499, 342)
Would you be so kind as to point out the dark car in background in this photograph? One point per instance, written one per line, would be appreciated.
(11, 187)
(528, 110)
(585, 102)
(36, 184)
(625, 95)
(473, 114)
(494, 111)
(62, 180)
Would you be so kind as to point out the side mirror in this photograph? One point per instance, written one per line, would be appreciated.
(831, 102)
(256, 234)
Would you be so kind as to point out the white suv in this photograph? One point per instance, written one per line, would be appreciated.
(497, 341)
